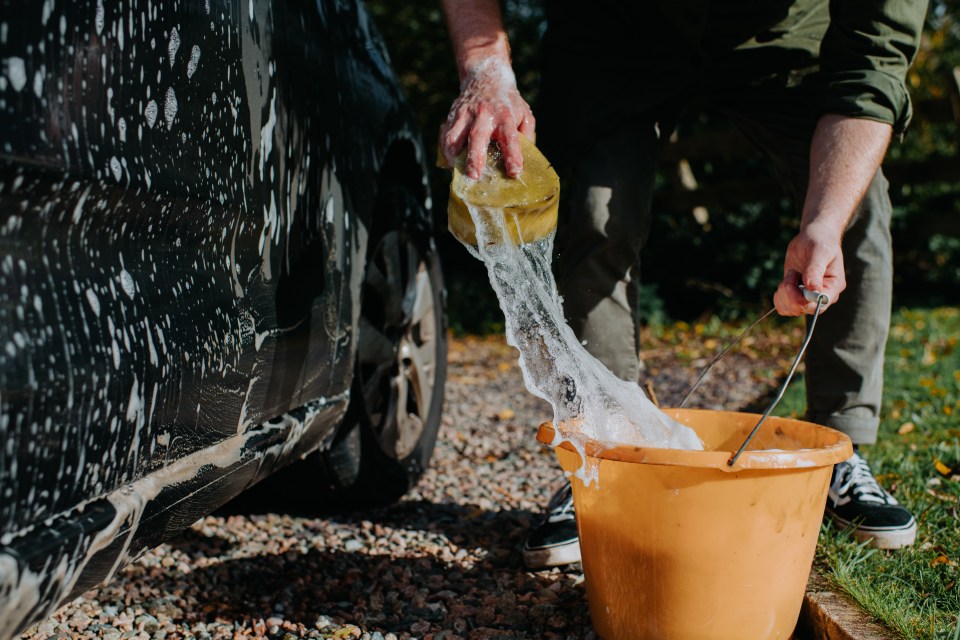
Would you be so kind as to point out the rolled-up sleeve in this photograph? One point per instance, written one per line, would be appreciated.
(864, 59)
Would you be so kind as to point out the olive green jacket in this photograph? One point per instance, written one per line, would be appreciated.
(861, 49)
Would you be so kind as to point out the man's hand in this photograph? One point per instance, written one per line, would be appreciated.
(815, 260)
(489, 107)
(845, 154)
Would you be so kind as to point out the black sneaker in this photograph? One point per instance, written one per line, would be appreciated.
(857, 501)
(555, 541)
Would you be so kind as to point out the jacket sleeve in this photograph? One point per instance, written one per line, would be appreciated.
(864, 59)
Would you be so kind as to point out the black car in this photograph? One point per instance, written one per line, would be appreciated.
(216, 259)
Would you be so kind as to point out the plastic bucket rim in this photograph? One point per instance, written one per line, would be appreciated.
(750, 460)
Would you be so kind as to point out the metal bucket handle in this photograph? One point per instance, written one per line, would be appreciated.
(821, 299)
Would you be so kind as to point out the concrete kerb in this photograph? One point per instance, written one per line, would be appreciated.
(827, 614)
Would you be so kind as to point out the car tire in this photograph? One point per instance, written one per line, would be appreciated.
(393, 420)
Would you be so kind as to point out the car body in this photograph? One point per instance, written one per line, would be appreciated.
(215, 259)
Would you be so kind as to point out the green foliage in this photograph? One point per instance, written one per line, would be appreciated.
(926, 232)
(472, 307)
(650, 305)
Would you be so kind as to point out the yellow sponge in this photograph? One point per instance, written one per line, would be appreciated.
(529, 202)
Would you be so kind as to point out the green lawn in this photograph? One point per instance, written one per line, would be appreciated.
(915, 591)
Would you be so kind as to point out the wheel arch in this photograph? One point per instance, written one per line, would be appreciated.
(403, 165)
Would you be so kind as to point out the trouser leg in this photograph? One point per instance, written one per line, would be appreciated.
(845, 358)
(605, 221)
(844, 362)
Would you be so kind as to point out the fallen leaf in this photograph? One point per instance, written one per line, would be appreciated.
(906, 428)
(942, 468)
(940, 560)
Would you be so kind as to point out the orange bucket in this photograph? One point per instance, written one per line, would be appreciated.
(677, 544)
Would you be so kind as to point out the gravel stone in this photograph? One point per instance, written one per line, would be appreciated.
(445, 563)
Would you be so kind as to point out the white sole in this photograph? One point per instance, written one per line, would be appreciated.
(554, 556)
(882, 538)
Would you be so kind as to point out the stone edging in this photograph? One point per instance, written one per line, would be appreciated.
(829, 615)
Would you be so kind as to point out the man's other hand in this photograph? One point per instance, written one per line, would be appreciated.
(815, 260)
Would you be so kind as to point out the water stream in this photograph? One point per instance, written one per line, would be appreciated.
(589, 402)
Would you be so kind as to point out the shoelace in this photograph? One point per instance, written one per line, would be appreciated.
(854, 476)
(560, 507)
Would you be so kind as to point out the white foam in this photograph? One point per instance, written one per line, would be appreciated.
(170, 107)
(47, 9)
(99, 18)
(150, 112)
(93, 301)
(127, 284)
(38, 84)
(173, 46)
(17, 73)
(115, 168)
(194, 61)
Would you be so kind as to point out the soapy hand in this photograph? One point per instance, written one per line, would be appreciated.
(489, 107)
(815, 260)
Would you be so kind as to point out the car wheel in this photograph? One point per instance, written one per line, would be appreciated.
(397, 392)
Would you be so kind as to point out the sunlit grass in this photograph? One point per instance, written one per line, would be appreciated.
(914, 591)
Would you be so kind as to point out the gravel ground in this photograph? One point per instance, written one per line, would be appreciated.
(444, 563)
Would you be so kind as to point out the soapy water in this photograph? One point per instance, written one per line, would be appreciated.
(589, 402)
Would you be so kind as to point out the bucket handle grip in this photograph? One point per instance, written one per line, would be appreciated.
(821, 299)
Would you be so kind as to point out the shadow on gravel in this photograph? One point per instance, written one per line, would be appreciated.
(499, 533)
(200, 545)
(422, 586)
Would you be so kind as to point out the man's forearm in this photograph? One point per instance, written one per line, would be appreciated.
(844, 157)
(476, 31)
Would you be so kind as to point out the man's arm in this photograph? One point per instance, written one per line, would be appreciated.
(489, 106)
(844, 157)
(861, 95)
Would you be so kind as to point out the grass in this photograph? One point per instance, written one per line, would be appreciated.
(914, 591)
